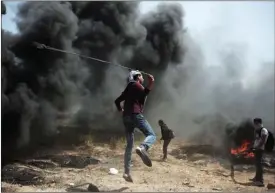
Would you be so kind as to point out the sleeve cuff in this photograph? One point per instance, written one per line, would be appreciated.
(146, 90)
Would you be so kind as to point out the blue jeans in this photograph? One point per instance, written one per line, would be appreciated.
(131, 122)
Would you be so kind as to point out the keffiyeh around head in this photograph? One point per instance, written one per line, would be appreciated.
(132, 74)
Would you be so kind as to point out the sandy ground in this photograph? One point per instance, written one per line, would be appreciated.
(64, 170)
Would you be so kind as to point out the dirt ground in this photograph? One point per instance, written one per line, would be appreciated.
(188, 168)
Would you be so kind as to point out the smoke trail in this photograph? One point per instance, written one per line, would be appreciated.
(190, 96)
(41, 82)
(106, 30)
(3, 8)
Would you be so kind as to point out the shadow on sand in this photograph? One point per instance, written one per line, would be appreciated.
(191, 151)
(67, 161)
(27, 167)
(23, 175)
(242, 183)
(91, 188)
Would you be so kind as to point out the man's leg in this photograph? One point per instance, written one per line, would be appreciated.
(255, 162)
(143, 125)
(259, 167)
(129, 133)
(165, 147)
(128, 151)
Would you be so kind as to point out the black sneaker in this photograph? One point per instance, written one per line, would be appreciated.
(144, 156)
(128, 178)
(252, 180)
(258, 183)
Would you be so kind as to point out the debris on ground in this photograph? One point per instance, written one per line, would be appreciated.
(270, 186)
(21, 174)
(217, 189)
(93, 188)
(113, 171)
(42, 163)
(71, 184)
(74, 170)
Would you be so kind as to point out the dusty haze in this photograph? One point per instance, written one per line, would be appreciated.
(189, 95)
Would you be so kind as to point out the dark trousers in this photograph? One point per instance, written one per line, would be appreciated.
(259, 165)
(165, 146)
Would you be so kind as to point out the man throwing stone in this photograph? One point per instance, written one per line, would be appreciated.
(134, 97)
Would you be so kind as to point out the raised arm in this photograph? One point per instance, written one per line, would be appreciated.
(143, 92)
(151, 82)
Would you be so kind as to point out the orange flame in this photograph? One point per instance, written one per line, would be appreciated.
(243, 150)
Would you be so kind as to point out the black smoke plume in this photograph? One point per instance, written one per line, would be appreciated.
(3, 8)
(40, 85)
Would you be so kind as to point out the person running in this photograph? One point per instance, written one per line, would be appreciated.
(261, 135)
(166, 135)
(134, 97)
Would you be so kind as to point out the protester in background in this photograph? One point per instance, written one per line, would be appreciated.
(167, 135)
(261, 135)
(134, 97)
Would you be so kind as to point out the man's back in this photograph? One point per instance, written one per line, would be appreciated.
(259, 133)
(166, 132)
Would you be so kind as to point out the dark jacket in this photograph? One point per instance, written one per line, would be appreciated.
(134, 97)
(166, 133)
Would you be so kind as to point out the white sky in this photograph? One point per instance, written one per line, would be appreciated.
(214, 24)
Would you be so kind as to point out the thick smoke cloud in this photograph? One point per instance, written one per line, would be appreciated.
(3, 8)
(40, 85)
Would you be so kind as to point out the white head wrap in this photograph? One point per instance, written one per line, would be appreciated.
(132, 74)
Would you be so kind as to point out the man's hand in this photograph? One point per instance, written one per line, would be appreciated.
(151, 82)
(151, 78)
